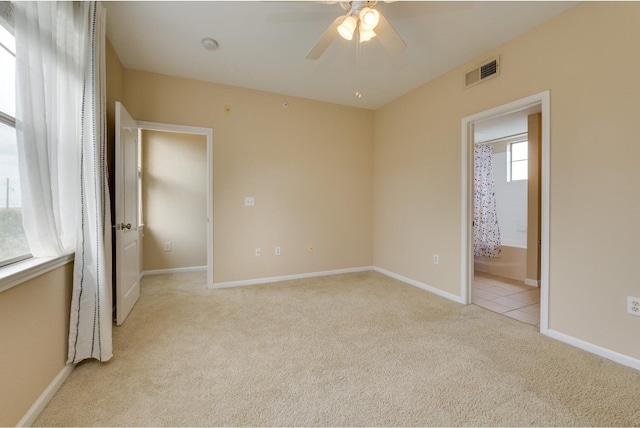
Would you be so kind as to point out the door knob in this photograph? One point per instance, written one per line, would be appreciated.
(125, 226)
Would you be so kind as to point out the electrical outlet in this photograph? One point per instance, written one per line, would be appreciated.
(633, 305)
(436, 259)
(278, 251)
(249, 201)
(167, 246)
(258, 251)
(311, 248)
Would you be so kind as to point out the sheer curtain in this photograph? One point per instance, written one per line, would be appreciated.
(49, 48)
(486, 238)
(60, 124)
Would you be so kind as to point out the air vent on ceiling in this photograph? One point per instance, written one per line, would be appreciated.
(479, 74)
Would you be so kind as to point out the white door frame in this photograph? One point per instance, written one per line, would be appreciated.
(542, 98)
(208, 133)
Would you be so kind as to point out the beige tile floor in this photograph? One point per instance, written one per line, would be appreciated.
(507, 297)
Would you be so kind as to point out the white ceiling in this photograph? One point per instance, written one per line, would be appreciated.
(263, 44)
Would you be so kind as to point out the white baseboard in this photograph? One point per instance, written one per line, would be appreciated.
(34, 411)
(434, 290)
(174, 270)
(288, 277)
(532, 282)
(595, 349)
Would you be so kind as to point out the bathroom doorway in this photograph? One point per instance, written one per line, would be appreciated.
(506, 235)
(499, 284)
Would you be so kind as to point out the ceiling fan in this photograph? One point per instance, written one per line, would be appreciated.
(362, 22)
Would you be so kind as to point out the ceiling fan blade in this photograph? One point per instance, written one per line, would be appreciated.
(325, 40)
(389, 37)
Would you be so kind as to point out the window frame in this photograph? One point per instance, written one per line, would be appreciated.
(8, 120)
(511, 161)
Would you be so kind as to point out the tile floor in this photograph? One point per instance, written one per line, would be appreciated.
(507, 297)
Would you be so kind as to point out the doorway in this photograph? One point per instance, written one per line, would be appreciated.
(506, 217)
(193, 135)
(173, 202)
(538, 102)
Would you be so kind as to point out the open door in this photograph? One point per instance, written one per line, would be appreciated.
(127, 257)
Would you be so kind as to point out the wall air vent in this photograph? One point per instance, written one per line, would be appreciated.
(479, 74)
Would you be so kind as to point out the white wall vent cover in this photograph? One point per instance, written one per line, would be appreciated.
(487, 70)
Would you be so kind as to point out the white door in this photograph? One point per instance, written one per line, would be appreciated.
(126, 202)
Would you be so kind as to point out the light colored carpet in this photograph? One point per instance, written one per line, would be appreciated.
(355, 349)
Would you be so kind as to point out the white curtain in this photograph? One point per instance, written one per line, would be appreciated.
(60, 123)
(91, 304)
(49, 48)
(486, 237)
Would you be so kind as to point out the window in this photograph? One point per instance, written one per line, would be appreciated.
(518, 163)
(13, 242)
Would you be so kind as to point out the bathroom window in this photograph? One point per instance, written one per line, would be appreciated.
(518, 161)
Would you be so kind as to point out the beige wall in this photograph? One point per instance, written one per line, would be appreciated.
(587, 58)
(174, 196)
(308, 166)
(34, 329)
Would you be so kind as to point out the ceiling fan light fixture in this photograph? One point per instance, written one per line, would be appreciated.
(347, 27)
(366, 35)
(369, 18)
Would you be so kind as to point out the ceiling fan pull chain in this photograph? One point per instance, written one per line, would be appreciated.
(358, 53)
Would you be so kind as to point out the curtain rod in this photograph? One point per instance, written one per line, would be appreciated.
(503, 139)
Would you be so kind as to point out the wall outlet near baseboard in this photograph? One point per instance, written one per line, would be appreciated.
(436, 259)
(278, 251)
(167, 246)
(633, 305)
(258, 251)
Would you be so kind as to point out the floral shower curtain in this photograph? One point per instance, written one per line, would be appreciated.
(486, 236)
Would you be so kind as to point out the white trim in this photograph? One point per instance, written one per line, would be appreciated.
(288, 277)
(542, 98)
(38, 406)
(208, 132)
(532, 282)
(545, 211)
(174, 270)
(421, 285)
(595, 349)
(17, 273)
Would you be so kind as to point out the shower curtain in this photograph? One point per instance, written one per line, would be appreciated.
(486, 236)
